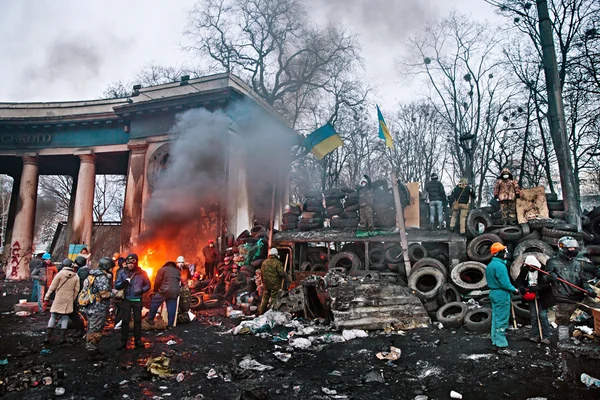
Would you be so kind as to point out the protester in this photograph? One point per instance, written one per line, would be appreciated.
(118, 294)
(43, 274)
(567, 267)
(74, 316)
(437, 197)
(98, 288)
(365, 193)
(33, 264)
(211, 258)
(185, 294)
(134, 281)
(83, 269)
(66, 287)
(166, 286)
(273, 276)
(536, 290)
(460, 198)
(501, 289)
(507, 191)
(85, 253)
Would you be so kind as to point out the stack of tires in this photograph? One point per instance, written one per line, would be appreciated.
(349, 217)
(384, 210)
(312, 216)
(290, 218)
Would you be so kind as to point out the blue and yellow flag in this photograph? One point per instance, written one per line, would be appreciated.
(323, 141)
(384, 132)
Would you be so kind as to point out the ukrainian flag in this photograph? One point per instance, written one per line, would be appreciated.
(384, 132)
(323, 141)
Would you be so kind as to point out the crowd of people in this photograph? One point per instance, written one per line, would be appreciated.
(116, 286)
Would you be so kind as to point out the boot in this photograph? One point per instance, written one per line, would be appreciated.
(49, 332)
(563, 334)
(62, 336)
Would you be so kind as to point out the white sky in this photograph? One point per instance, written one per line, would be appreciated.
(70, 50)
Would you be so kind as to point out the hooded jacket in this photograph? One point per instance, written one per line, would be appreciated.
(545, 296)
(167, 281)
(436, 191)
(66, 286)
(211, 255)
(571, 270)
(139, 284)
(506, 189)
(44, 273)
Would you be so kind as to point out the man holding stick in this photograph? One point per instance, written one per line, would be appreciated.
(273, 276)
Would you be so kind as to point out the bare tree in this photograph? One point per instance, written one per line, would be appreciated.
(108, 197)
(6, 187)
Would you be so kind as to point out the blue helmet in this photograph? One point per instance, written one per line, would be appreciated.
(46, 256)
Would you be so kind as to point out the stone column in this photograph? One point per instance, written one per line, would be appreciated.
(12, 212)
(71, 211)
(21, 244)
(132, 205)
(83, 212)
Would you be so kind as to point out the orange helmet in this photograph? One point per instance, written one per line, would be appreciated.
(497, 247)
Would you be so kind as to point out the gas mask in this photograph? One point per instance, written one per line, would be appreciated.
(572, 253)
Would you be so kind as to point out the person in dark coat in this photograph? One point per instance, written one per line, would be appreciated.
(134, 282)
(535, 287)
(211, 258)
(459, 199)
(166, 286)
(33, 264)
(437, 198)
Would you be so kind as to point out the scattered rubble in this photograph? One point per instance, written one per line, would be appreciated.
(392, 355)
(248, 363)
(159, 366)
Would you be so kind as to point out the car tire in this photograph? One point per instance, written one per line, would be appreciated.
(511, 233)
(416, 252)
(448, 294)
(557, 233)
(555, 205)
(533, 246)
(345, 259)
(517, 264)
(478, 249)
(474, 218)
(478, 320)
(468, 276)
(430, 262)
(566, 227)
(452, 315)
(426, 282)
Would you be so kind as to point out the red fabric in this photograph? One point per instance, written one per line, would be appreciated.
(529, 296)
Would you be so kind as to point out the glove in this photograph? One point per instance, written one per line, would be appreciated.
(591, 293)
(533, 289)
(553, 277)
(522, 290)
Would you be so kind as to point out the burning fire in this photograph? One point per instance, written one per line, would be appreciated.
(153, 258)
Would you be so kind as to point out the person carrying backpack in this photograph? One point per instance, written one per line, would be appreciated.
(65, 286)
(95, 300)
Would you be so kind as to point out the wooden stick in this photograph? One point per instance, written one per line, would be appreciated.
(512, 310)
(537, 311)
(284, 270)
(559, 279)
(272, 220)
(401, 227)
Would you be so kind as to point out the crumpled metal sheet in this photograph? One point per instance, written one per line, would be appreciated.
(159, 366)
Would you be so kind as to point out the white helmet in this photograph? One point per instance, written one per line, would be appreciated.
(180, 259)
(273, 252)
(532, 260)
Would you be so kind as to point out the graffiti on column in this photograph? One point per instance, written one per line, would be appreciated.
(14, 259)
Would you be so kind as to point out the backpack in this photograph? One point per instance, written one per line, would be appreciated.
(86, 296)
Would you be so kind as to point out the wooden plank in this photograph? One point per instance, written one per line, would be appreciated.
(400, 223)
(411, 212)
(532, 204)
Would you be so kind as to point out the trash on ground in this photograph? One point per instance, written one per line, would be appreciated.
(285, 357)
(350, 334)
(22, 313)
(585, 329)
(47, 380)
(392, 355)
(248, 363)
(300, 343)
(455, 395)
(180, 377)
(476, 356)
(171, 342)
(590, 381)
(374, 376)
(159, 366)
(45, 351)
(263, 323)
(212, 374)
(328, 391)
(4, 362)
(123, 382)
(191, 315)
(59, 391)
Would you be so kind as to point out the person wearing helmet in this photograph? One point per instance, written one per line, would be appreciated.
(365, 196)
(460, 198)
(166, 286)
(273, 275)
(566, 266)
(535, 287)
(134, 282)
(211, 258)
(66, 287)
(437, 196)
(83, 270)
(507, 191)
(498, 280)
(44, 274)
(98, 284)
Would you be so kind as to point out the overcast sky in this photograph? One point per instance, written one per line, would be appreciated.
(70, 50)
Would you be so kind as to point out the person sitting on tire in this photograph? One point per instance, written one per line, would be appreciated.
(273, 276)
(365, 203)
(460, 198)
(501, 289)
(536, 290)
(507, 191)
(567, 267)
(437, 196)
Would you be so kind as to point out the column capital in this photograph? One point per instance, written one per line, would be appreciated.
(31, 160)
(87, 158)
(138, 148)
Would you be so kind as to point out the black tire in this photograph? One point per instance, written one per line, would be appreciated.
(556, 233)
(212, 303)
(293, 219)
(592, 250)
(394, 255)
(474, 218)
(349, 215)
(352, 195)
(479, 320)
(245, 234)
(535, 235)
(313, 194)
(426, 282)
(343, 223)
(566, 227)
(289, 227)
(296, 210)
(305, 266)
(334, 193)
(318, 268)
(551, 197)
(331, 211)
(525, 229)
(448, 294)
(468, 276)
(585, 221)
(353, 207)
(588, 238)
(555, 206)
(511, 233)
(345, 259)
(229, 240)
(315, 225)
(521, 309)
(351, 202)
(488, 209)
(416, 252)
(257, 229)
(303, 226)
(533, 246)
(478, 249)
(595, 226)
(552, 241)
(541, 223)
(196, 301)
(318, 209)
(452, 315)
(557, 214)
(430, 262)
(377, 259)
(497, 215)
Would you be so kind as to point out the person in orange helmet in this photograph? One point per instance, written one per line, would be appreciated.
(498, 280)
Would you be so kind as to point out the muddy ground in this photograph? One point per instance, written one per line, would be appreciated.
(460, 361)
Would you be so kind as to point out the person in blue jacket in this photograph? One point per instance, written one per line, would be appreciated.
(501, 289)
(134, 282)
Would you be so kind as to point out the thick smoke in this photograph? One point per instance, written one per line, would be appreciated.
(194, 183)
